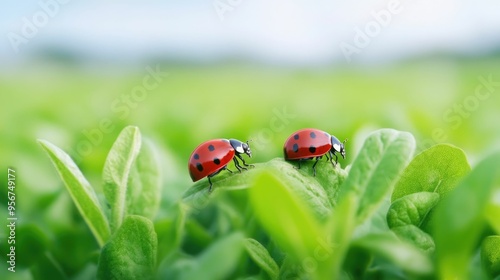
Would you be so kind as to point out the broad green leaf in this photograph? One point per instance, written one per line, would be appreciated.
(306, 187)
(261, 257)
(377, 167)
(490, 255)
(144, 184)
(398, 252)
(414, 235)
(437, 169)
(219, 260)
(284, 216)
(411, 209)
(82, 194)
(116, 172)
(460, 218)
(131, 252)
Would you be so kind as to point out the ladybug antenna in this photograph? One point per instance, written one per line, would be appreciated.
(248, 141)
(344, 141)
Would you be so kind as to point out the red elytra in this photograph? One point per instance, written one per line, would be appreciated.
(213, 156)
(312, 143)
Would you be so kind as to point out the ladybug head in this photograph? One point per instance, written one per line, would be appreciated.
(241, 147)
(338, 146)
(342, 149)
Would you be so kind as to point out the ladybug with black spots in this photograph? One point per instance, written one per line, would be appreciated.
(312, 143)
(211, 157)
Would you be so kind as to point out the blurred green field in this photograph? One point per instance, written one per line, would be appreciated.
(192, 104)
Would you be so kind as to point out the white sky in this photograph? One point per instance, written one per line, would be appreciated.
(293, 31)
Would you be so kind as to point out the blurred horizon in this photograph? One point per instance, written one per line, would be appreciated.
(283, 33)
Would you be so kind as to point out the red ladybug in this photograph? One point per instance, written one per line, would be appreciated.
(312, 143)
(211, 157)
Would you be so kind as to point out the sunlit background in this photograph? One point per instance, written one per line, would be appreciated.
(184, 72)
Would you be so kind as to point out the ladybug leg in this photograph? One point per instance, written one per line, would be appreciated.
(299, 161)
(244, 163)
(237, 164)
(331, 158)
(227, 169)
(210, 182)
(336, 159)
(314, 165)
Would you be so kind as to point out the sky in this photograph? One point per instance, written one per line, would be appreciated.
(283, 32)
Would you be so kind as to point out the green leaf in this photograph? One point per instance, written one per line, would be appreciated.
(411, 209)
(374, 172)
(415, 236)
(307, 188)
(437, 169)
(219, 260)
(261, 257)
(131, 252)
(116, 172)
(286, 218)
(82, 194)
(490, 255)
(144, 184)
(460, 218)
(398, 252)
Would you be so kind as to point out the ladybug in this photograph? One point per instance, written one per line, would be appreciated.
(312, 143)
(211, 157)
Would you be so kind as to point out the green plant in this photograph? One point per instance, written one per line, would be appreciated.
(389, 215)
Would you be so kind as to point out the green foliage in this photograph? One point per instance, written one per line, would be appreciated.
(436, 170)
(401, 254)
(338, 224)
(375, 170)
(218, 261)
(131, 252)
(144, 184)
(284, 216)
(116, 173)
(457, 232)
(261, 256)
(81, 192)
(430, 176)
(490, 255)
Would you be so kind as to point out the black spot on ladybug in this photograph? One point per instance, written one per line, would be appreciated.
(312, 134)
(217, 161)
(196, 156)
(199, 167)
(296, 137)
(295, 147)
(211, 148)
(312, 149)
